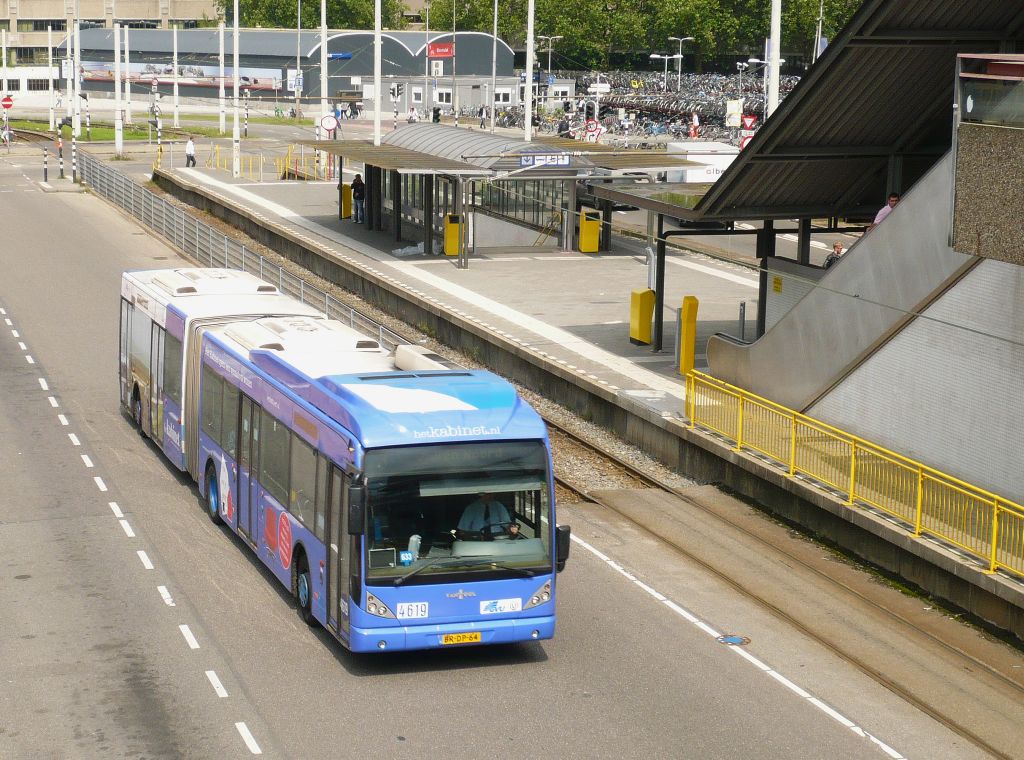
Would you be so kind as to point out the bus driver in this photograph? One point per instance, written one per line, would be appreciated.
(488, 516)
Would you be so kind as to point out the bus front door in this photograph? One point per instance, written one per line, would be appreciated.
(339, 554)
(248, 469)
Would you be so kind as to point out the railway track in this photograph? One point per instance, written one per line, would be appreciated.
(901, 626)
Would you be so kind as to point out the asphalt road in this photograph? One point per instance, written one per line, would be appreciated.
(99, 577)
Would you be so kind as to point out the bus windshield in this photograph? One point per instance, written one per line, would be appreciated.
(442, 510)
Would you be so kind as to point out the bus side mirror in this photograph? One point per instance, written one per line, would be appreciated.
(563, 535)
(356, 510)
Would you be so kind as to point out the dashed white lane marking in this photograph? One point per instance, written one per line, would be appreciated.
(15, 334)
(3, 311)
(218, 687)
(169, 601)
(247, 737)
(53, 402)
(127, 528)
(22, 346)
(29, 359)
(7, 321)
(189, 638)
(86, 461)
(115, 509)
(43, 385)
(100, 484)
(144, 558)
(63, 419)
(690, 617)
(74, 439)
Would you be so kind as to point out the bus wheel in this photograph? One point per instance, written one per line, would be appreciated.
(304, 593)
(212, 496)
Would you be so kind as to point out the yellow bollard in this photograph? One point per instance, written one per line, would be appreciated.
(688, 334)
(641, 312)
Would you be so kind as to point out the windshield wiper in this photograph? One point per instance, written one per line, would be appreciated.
(498, 566)
(436, 562)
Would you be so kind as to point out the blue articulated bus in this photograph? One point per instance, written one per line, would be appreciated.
(407, 503)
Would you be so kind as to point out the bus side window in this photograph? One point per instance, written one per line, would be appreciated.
(229, 420)
(212, 401)
(302, 481)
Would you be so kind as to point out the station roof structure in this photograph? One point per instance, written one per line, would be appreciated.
(878, 101)
(428, 148)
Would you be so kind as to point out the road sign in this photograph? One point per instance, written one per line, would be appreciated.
(329, 123)
(745, 140)
(339, 56)
(441, 50)
(748, 121)
(599, 87)
(7, 102)
(635, 84)
(592, 125)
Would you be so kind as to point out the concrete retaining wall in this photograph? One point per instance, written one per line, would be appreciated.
(935, 569)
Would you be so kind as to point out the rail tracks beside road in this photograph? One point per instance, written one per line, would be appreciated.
(970, 657)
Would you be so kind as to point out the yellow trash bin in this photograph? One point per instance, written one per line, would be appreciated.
(452, 229)
(590, 231)
(345, 207)
(641, 313)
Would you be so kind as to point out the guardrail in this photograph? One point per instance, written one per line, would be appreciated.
(924, 499)
(213, 248)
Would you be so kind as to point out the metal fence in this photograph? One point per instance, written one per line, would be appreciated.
(213, 248)
(926, 500)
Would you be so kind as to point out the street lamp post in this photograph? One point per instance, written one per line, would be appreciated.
(666, 58)
(298, 53)
(551, 43)
(679, 63)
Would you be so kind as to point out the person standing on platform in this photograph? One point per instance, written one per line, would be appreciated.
(358, 200)
(190, 152)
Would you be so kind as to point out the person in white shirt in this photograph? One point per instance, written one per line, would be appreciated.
(486, 515)
(190, 152)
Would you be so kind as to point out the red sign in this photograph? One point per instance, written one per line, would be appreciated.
(7, 102)
(441, 50)
(748, 121)
(744, 141)
(269, 534)
(284, 540)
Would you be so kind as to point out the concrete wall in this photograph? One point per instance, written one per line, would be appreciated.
(991, 598)
(492, 231)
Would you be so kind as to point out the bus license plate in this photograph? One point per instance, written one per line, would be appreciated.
(460, 638)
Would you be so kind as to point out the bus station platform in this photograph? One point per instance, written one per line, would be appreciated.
(557, 322)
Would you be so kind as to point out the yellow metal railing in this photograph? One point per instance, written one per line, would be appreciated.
(250, 165)
(928, 501)
(303, 163)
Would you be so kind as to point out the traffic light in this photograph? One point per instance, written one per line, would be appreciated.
(394, 91)
(401, 89)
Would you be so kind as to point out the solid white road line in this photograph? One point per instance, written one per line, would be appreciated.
(218, 687)
(247, 737)
(189, 638)
(690, 617)
(127, 528)
(144, 558)
(169, 601)
(115, 509)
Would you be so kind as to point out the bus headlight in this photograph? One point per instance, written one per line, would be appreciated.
(539, 597)
(376, 607)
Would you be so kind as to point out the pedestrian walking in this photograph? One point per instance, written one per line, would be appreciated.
(837, 253)
(883, 212)
(190, 152)
(482, 113)
(358, 200)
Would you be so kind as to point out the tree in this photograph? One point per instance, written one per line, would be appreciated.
(341, 14)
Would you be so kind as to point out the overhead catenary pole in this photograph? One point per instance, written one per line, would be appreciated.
(323, 59)
(118, 116)
(378, 100)
(528, 89)
(127, 78)
(773, 58)
(174, 35)
(817, 33)
(494, 66)
(76, 119)
(455, 83)
(221, 99)
(49, 73)
(426, 66)
(236, 136)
